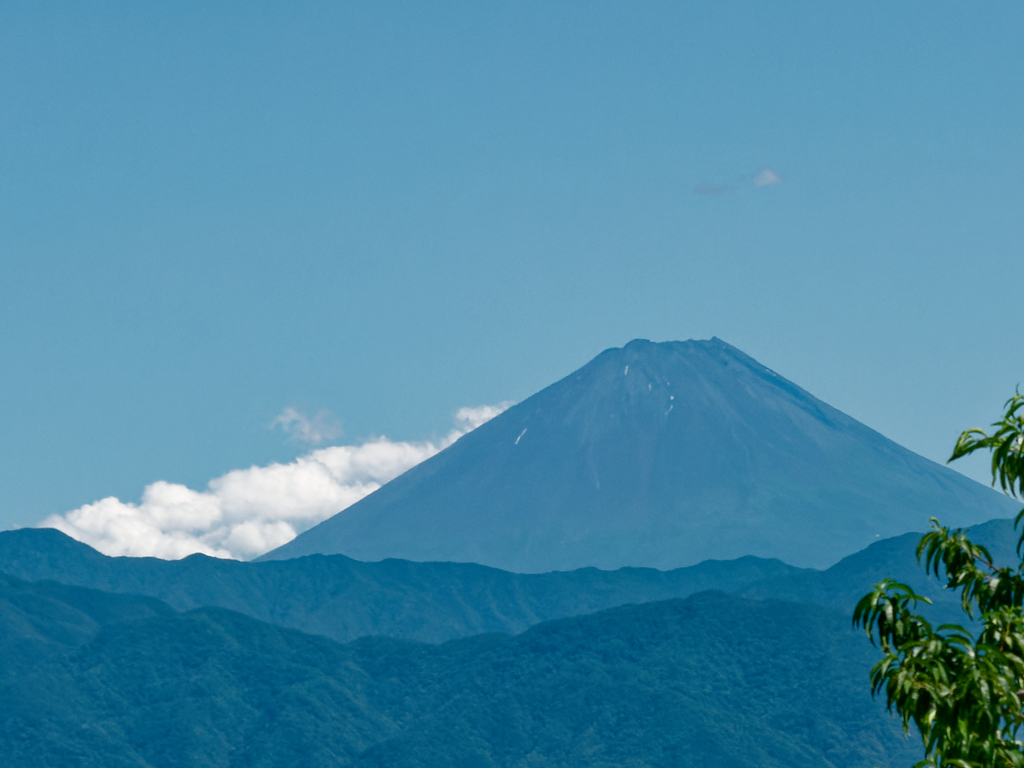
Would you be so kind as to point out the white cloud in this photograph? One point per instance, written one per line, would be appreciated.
(766, 177)
(250, 511)
(468, 419)
(323, 427)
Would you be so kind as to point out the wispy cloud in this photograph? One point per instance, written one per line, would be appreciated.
(765, 177)
(250, 511)
(323, 427)
(468, 419)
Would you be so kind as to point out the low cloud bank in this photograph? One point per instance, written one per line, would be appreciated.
(250, 511)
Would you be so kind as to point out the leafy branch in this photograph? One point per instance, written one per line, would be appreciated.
(964, 693)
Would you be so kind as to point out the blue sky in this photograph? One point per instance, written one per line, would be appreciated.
(213, 212)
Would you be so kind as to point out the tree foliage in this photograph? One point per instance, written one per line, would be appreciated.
(962, 689)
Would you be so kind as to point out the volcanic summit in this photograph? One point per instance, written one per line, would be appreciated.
(659, 455)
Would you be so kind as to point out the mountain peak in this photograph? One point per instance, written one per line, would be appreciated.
(659, 454)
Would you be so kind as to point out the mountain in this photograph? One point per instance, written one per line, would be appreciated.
(344, 599)
(90, 679)
(655, 455)
(842, 585)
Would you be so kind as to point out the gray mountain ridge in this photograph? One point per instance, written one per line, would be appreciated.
(344, 599)
(340, 598)
(656, 455)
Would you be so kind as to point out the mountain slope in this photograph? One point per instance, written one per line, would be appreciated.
(668, 683)
(842, 585)
(655, 455)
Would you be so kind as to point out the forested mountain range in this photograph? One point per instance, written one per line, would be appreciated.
(95, 678)
(90, 679)
(344, 599)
